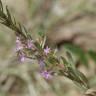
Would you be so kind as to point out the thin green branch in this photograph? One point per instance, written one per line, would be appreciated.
(8, 20)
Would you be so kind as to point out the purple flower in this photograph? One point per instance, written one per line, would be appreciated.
(46, 50)
(30, 44)
(18, 44)
(22, 57)
(46, 74)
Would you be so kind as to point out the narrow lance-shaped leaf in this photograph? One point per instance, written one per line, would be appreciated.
(8, 14)
(92, 55)
(78, 52)
(75, 75)
(1, 6)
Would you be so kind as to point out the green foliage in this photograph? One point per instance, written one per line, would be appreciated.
(72, 73)
(7, 20)
(78, 52)
(41, 31)
(92, 55)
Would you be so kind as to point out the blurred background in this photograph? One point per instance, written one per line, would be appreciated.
(68, 24)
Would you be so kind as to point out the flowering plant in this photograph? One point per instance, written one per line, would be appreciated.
(50, 64)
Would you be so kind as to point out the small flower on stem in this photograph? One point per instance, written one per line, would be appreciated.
(22, 57)
(18, 44)
(46, 74)
(30, 44)
(46, 50)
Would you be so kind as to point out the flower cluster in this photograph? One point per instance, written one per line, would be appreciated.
(21, 46)
(24, 45)
(47, 60)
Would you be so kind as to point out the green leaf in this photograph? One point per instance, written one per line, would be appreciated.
(1, 6)
(92, 55)
(38, 47)
(79, 77)
(8, 14)
(76, 76)
(41, 33)
(65, 62)
(72, 73)
(78, 52)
